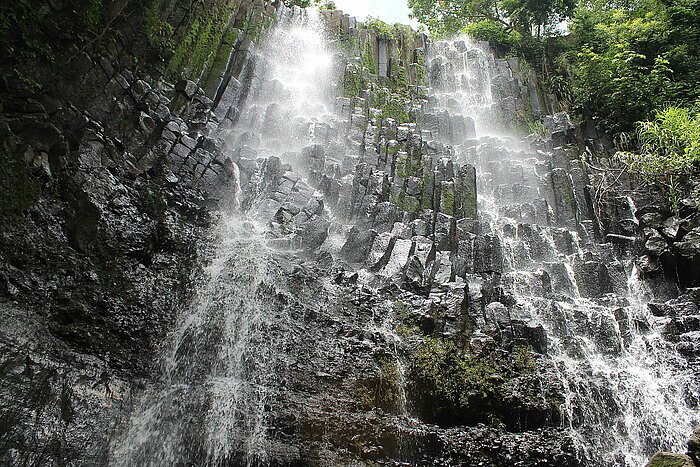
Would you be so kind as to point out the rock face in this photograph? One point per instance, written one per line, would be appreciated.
(361, 306)
(110, 178)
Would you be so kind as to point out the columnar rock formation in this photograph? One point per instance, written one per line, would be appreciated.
(359, 254)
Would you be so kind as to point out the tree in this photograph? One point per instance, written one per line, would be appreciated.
(447, 17)
(322, 4)
(669, 151)
(632, 57)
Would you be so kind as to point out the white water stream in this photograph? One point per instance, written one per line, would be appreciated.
(627, 390)
(212, 403)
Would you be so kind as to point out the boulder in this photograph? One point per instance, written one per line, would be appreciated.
(689, 246)
(667, 459)
(313, 232)
(358, 245)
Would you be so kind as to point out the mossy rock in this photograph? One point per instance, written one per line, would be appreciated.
(20, 188)
(668, 459)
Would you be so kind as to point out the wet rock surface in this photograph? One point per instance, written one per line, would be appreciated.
(402, 321)
(111, 178)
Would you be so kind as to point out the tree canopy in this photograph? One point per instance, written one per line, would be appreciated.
(446, 17)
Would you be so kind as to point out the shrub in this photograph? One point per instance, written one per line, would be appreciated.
(497, 35)
(669, 150)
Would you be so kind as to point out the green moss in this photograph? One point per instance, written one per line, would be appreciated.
(448, 202)
(219, 64)
(664, 459)
(401, 309)
(158, 32)
(353, 83)
(406, 327)
(421, 68)
(364, 396)
(406, 168)
(392, 150)
(406, 204)
(469, 204)
(390, 388)
(195, 53)
(385, 391)
(523, 360)
(350, 46)
(393, 108)
(19, 188)
(383, 30)
(454, 380)
(368, 60)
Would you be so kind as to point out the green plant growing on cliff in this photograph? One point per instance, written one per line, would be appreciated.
(453, 380)
(195, 52)
(158, 32)
(321, 4)
(448, 206)
(669, 150)
(299, 3)
(523, 361)
(392, 395)
(385, 391)
(406, 168)
(383, 30)
(368, 60)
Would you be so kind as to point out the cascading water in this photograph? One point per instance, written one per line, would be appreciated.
(626, 389)
(212, 404)
(235, 383)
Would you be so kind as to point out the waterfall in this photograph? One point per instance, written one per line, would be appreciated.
(626, 389)
(252, 367)
(226, 358)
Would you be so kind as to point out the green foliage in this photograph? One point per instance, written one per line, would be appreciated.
(391, 104)
(406, 168)
(449, 202)
(448, 17)
(385, 392)
(368, 60)
(321, 4)
(631, 59)
(469, 204)
(621, 62)
(194, 53)
(496, 34)
(326, 5)
(158, 32)
(393, 108)
(391, 384)
(383, 30)
(669, 150)
(353, 83)
(523, 360)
